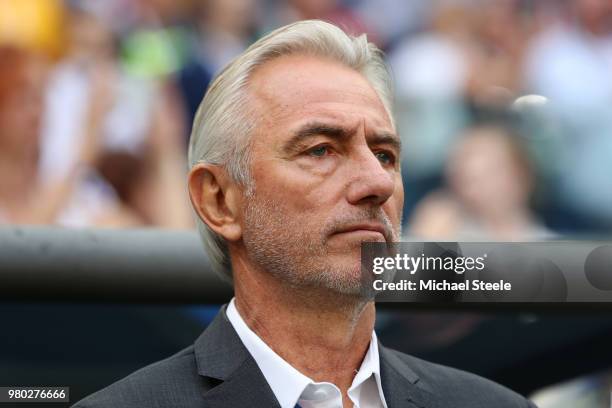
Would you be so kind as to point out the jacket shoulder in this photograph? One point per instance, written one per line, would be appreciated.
(173, 381)
(460, 387)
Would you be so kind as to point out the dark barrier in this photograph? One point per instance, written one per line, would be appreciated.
(103, 265)
(146, 266)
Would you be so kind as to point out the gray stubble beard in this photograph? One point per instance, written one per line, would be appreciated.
(280, 245)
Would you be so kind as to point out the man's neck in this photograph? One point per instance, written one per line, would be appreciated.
(324, 336)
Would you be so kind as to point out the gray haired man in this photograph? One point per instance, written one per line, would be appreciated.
(294, 163)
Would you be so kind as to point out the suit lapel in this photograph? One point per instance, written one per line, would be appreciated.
(401, 385)
(246, 387)
(220, 355)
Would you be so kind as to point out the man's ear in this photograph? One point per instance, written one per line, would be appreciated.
(217, 199)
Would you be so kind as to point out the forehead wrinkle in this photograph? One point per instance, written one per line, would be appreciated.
(276, 101)
(326, 127)
(297, 86)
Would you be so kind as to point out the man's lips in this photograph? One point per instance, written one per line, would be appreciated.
(367, 227)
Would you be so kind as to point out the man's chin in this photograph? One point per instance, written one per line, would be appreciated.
(344, 277)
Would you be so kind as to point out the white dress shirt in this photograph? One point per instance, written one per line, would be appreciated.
(291, 387)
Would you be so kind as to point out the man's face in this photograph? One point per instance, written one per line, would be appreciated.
(325, 166)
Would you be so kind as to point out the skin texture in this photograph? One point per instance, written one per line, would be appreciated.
(325, 169)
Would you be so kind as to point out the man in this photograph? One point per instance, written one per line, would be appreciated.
(295, 163)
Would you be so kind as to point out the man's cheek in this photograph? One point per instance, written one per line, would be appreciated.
(399, 201)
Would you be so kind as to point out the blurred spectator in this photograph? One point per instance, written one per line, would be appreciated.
(434, 64)
(570, 62)
(224, 28)
(489, 186)
(463, 67)
(150, 183)
(431, 72)
(499, 31)
(91, 58)
(489, 181)
(24, 197)
(571, 59)
(82, 103)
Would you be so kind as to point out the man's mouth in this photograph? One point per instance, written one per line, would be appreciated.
(375, 231)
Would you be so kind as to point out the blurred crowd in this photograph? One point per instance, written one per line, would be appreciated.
(505, 107)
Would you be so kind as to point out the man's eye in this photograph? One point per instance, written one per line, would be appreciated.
(319, 151)
(385, 158)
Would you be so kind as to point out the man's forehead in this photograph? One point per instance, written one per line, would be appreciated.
(298, 85)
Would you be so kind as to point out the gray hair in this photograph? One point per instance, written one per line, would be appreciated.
(225, 121)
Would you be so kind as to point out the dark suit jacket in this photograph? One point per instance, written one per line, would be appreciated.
(218, 371)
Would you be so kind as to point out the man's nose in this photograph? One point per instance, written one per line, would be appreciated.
(370, 181)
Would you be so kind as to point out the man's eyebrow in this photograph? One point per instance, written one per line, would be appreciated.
(312, 129)
(386, 138)
(337, 132)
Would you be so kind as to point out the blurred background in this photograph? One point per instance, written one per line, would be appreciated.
(504, 108)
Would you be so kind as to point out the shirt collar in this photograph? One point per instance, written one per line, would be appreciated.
(286, 382)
